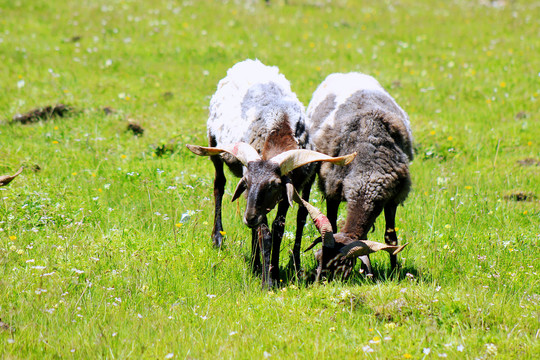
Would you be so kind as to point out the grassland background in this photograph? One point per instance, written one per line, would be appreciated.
(105, 252)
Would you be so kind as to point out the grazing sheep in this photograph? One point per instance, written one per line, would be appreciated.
(353, 113)
(257, 127)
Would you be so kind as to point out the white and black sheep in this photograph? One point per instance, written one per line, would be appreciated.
(257, 126)
(353, 113)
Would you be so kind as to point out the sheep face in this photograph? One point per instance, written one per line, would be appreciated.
(264, 187)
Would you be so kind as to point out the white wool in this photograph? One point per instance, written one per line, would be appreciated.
(226, 121)
(343, 86)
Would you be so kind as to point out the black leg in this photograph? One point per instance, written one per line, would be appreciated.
(332, 208)
(300, 223)
(278, 227)
(255, 252)
(390, 236)
(219, 189)
(265, 243)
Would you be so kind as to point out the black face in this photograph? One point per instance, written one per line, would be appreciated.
(264, 190)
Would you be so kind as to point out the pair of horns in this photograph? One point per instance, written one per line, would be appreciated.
(287, 161)
(6, 179)
(351, 250)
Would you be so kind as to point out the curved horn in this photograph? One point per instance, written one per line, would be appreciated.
(365, 247)
(321, 222)
(242, 151)
(292, 159)
(6, 179)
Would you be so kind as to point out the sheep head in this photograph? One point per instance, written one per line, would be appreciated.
(266, 181)
(339, 251)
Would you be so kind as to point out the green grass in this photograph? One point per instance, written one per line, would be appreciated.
(95, 261)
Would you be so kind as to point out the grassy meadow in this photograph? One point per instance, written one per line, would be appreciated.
(105, 247)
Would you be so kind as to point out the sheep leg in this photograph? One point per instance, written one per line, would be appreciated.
(278, 227)
(300, 223)
(255, 252)
(219, 189)
(390, 236)
(332, 208)
(265, 243)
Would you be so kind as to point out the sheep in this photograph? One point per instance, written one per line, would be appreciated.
(257, 127)
(352, 112)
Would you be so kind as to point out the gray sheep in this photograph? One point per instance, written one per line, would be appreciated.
(353, 113)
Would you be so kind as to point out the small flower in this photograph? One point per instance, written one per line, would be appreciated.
(432, 132)
(169, 356)
(12, 237)
(468, 187)
(223, 233)
(491, 349)
(178, 225)
(407, 356)
(332, 329)
(390, 326)
(426, 351)
(375, 340)
(502, 84)
(450, 138)
(108, 62)
(55, 142)
(73, 173)
(20, 251)
(443, 355)
(20, 84)
(447, 226)
(123, 156)
(460, 348)
(367, 349)
(370, 329)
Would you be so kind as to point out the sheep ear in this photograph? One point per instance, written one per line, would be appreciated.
(290, 190)
(240, 188)
(242, 151)
(292, 159)
(6, 179)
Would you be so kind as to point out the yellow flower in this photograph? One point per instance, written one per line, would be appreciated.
(407, 356)
(318, 68)
(73, 173)
(12, 237)
(56, 128)
(93, 174)
(468, 187)
(223, 233)
(525, 212)
(450, 138)
(432, 132)
(447, 226)
(127, 98)
(55, 142)
(370, 329)
(123, 156)
(179, 225)
(312, 45)
(502, 84)
(488, 101)
(99, 190)
(529, 143)
(348, 46)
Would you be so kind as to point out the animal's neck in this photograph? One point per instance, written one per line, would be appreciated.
(361, 216)
(280, 139)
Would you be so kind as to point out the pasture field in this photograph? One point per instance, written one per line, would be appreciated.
(105, 247)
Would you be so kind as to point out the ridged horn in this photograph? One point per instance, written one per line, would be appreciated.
(292, 159)
(321, 222)
(366, 247)
(242, 151)
(6, 179)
